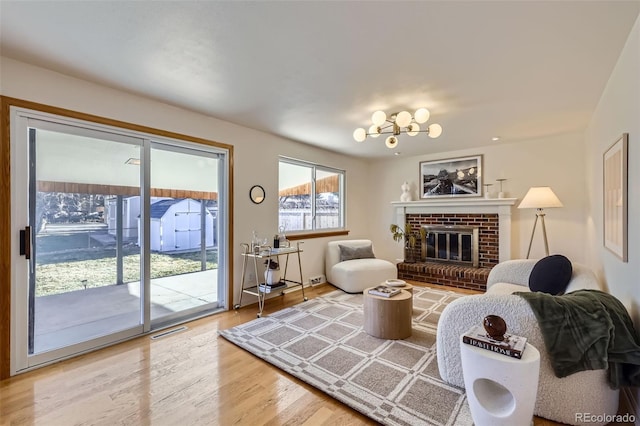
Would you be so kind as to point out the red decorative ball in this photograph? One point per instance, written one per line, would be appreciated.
(495, 327)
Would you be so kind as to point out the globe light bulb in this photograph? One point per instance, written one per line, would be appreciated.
(360, 134)
(391, 142)
(374, 131)
(403, 119)
(378, 118)
(435, 130)
(421, 115)
(413, 129)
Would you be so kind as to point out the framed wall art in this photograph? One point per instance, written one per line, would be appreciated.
(453, 177)
(614, 170)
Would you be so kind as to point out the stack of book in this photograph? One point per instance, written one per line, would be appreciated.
(384, 291)
(267, 288)
(512, 345)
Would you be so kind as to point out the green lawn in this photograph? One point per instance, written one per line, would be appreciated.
(64, 276)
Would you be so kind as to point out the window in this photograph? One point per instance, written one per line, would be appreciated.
(311, 196)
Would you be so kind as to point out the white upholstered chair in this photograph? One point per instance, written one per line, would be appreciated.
(558, 399)
(353, 276)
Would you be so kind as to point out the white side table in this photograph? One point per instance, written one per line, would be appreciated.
(501, 390)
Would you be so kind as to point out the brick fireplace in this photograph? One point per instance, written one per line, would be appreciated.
(490, 217)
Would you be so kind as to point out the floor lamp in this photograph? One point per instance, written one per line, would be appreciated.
(539, 198)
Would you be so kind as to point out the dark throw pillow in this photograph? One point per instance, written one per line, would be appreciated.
(350, 253)
(551, 274)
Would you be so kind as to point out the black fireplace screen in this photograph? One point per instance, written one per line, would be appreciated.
(456, 244)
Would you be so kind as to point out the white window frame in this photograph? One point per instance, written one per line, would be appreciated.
(341, 194)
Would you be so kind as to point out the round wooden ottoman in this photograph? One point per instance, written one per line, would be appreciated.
(388, 317)
(408, 287)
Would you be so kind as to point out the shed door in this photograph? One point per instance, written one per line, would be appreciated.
(187, 230)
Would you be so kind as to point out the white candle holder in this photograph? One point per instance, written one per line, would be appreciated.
(501, 194)
(487, 194)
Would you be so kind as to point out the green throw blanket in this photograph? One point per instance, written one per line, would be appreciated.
(588, 330)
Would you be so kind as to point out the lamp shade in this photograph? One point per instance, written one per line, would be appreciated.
(391, 142)
(539, 197)
(378, 118)
(421, 115)
(360, 134)
(435, 130)
(403, 119)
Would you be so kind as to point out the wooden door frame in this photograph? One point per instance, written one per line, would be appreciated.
(5, 204)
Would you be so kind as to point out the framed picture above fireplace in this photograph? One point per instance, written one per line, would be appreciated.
(452, 177)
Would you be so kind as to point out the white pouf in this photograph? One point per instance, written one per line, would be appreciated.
(501, 390)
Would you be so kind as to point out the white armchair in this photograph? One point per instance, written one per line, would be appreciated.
(558, 399)
(353, 276)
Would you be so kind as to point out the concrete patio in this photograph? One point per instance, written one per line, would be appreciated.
(76, 316)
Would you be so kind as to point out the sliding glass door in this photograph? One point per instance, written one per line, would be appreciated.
(120, 234)
(184, 231)
(82, 282)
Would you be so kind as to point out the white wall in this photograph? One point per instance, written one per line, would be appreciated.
(255, 153)
(556, 161)
(618, 112)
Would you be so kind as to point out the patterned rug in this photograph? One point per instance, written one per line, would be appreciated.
(394, 382)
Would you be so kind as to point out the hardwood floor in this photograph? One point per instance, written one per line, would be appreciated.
(192, 377)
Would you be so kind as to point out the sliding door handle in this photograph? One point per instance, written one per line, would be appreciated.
(25, 242)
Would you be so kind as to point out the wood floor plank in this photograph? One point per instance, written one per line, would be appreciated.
(194, 377)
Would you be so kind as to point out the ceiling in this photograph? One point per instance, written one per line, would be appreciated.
(313, 71)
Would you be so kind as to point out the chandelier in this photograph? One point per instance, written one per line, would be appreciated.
(396, 124)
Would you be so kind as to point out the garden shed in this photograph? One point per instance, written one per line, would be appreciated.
(130, 212)
(176, 224)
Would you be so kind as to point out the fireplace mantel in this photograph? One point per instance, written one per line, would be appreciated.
(500, 206)
(468, 204)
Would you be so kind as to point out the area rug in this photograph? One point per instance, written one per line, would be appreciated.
(395, 382)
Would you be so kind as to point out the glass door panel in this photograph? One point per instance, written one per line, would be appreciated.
(85, 261)
(183, 232)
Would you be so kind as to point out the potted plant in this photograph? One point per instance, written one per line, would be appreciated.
(272, 272)
(410, 239)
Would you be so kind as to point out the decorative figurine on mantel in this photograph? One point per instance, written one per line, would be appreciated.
(406, 192)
